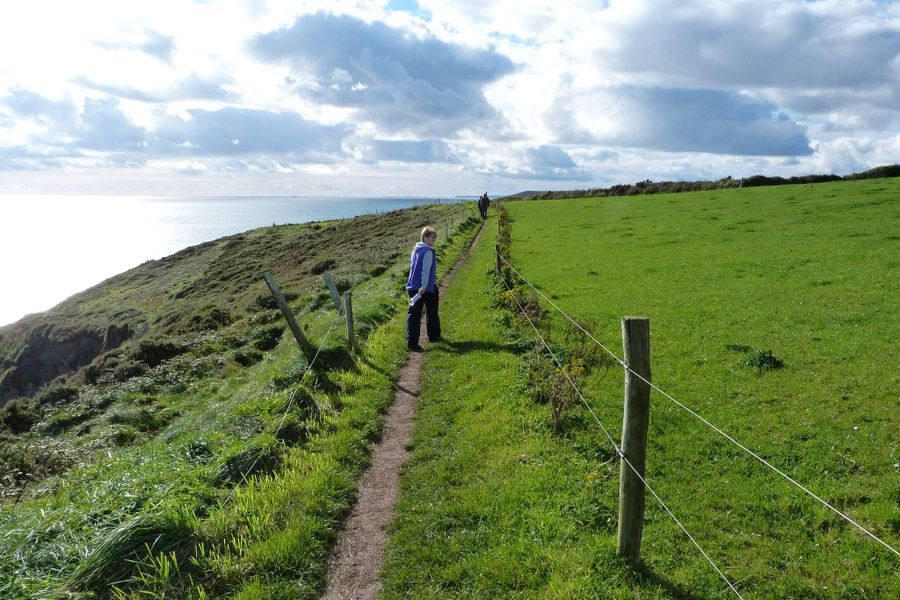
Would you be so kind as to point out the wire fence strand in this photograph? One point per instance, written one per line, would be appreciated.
(618, 450)
(700, 417)
(291, 399)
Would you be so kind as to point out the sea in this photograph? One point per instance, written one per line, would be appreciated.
(52, 247)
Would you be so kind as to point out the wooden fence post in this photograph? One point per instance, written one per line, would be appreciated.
(335, 296)
(305, 346)
(348, 310)
(636, 342)
(497, 254)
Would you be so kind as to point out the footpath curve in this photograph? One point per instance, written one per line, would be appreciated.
(356, 560)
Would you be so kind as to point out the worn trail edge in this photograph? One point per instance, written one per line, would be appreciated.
(355, 563)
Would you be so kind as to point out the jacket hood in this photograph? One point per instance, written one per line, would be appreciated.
(421, 245)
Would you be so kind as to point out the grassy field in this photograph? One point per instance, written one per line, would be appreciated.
(497, 502)
(226, 470)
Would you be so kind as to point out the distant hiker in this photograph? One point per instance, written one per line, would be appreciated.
(483, 204)
(421, 287)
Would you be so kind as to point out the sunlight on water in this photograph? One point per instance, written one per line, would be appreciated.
(54, 246)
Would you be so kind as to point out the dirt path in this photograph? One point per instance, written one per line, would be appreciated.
(355, 563)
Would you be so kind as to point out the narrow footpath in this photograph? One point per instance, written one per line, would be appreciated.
(355, 563)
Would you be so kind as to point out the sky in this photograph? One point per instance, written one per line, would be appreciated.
(438, 97)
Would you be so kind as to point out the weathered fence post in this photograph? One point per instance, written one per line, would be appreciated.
(497, 253)
(335, 296)
(636, 342)
(305, 346)
(348, 310)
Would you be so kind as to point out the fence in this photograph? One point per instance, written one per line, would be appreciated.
(636, 365)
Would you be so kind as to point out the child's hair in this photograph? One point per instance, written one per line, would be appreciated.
(427, 232)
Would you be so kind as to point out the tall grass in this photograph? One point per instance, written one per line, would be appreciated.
(231, 494)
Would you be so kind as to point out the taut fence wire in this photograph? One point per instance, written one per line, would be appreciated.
(696, 415)
(618, 450)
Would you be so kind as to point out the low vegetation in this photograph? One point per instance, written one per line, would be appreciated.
(668, 187)
(209, 458)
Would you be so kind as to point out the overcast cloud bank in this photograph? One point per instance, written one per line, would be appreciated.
(441, 98)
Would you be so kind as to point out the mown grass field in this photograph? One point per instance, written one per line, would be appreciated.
(497, 502)
(224, 471)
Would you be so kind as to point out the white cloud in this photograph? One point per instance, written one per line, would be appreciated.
(525, 92)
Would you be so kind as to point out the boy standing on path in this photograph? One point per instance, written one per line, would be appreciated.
(422, 283)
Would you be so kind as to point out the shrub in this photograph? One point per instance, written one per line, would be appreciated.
(264, 318)
(211, 318)
(267, 338)
(129, 369)
(18, 415)
(58, 392)
(519, 301)
(247, 358)
(154, 351)
(537, 370)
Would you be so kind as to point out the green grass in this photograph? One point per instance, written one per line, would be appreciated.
(206, 477)
(496, 503)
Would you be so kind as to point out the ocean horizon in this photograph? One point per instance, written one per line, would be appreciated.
(54, 246)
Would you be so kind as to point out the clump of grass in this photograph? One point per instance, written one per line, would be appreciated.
(124, 436)
(260, 456)
(64, 419)
(115, 560)
(145, 419)
(762, 361)
(293, 375)
(737, 347)
(292, 431)
(199, 451)
(321, 266)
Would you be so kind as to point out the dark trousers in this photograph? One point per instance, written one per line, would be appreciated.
(429, 302)
(483, 211)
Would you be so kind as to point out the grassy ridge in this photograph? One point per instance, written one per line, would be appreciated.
(171, 512)
(204, 287)
(807, 273)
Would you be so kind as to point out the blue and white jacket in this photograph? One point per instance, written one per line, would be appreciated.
(422, 268)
